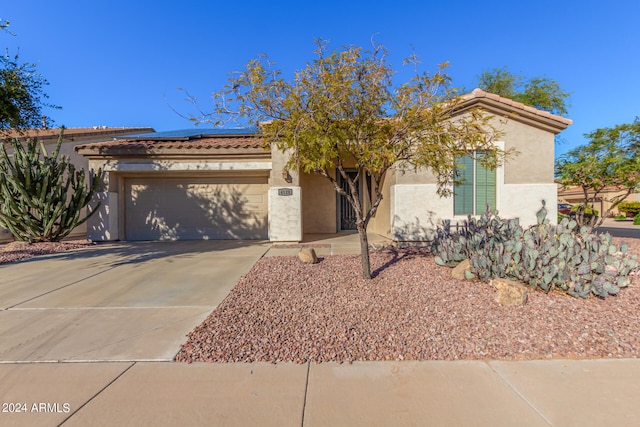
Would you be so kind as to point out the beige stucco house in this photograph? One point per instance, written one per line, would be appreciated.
(603, 201)
(72, 138)
(224, 184)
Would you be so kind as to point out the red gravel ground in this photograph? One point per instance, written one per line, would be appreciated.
(18, 251)
(284, 310)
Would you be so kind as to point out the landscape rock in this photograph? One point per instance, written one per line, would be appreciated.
(458, 271)
(308, 256)
(18, 251)
(285, 311)
(16, 246)
(510, 292)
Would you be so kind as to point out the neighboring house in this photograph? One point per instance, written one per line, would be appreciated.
(224, 184)
(575, 196)
(72, 138)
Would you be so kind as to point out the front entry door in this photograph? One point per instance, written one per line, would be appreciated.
(346, 213)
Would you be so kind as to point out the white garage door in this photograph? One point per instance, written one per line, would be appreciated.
(196, 208)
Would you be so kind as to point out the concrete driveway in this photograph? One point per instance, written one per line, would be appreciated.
(116, 301)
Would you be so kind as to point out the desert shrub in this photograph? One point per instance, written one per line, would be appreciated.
(618, 217)
(636, 220)
(565, 257)
(630, 208)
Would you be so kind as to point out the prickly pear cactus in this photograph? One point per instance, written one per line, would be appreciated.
(470, 237)
(565, 257)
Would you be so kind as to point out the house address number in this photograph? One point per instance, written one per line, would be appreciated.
(285, 192)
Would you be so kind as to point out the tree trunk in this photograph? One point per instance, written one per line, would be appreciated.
(364, 251)
(584, 219)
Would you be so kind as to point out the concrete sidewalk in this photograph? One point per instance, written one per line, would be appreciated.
(464, 393)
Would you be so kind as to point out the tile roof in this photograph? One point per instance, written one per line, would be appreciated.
(245, 138)
(194, 143)
(96, 131)
(562, 190)
(479, 94)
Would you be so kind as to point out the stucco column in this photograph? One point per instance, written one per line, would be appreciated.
(285, 200)
(103, 224)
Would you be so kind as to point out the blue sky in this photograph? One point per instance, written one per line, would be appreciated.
(120, 63)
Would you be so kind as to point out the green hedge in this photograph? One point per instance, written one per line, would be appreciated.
(630, 208)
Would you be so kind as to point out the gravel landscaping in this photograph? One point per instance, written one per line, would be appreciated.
(19, 251)
(284, 310)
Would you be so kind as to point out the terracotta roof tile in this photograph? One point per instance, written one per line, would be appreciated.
(576, 189)
(479, 94)
(207, 143)
(52, 133)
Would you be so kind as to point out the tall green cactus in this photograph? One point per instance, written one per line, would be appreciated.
(42, 195)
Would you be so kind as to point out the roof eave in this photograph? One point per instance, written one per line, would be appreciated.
(504, 107)
(71, 134)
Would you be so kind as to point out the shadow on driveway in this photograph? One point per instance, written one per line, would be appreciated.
(118, 301)
(124, 253)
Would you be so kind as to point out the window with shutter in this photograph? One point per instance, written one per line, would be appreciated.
(476, 187)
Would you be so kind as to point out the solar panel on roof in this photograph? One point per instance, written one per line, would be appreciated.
(192, 133)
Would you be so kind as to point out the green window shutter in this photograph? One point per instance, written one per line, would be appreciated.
(463, 192)
(485, 188)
